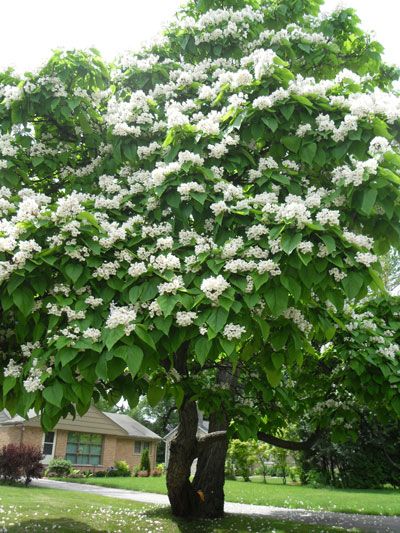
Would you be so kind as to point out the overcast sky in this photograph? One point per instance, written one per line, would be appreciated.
(32, 28)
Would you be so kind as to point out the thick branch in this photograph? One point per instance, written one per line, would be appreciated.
(289, 444)
(209, 439)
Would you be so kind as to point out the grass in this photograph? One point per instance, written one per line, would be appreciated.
(36, 509)
(373, 502)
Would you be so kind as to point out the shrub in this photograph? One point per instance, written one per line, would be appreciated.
(76, 474)
(157, 472)
(17, 461)
(143, 473)
(100, 473)
(145, 461)
(59, 467)
(122, 468)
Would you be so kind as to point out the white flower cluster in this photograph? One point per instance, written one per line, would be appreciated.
(233, 331)
(366, 259)
(185, 318)
(12, 369)
(122, 316)
(171, 287)
(291, 313)
(213, 287)
(186, 188)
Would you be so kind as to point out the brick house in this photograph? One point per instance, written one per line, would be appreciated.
(93, 441)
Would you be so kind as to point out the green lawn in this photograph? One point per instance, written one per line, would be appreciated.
(374, 502)
(33, 509)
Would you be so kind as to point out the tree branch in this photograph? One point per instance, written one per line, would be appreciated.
(290, 444)
(210, 438)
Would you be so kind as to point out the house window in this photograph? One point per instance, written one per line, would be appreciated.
(48, 443)
(84, 448)
(139, 446)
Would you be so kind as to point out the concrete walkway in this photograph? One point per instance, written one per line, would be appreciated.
(372, 524)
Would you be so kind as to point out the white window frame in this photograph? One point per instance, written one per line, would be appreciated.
(48, 457)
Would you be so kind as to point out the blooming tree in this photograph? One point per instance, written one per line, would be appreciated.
(206, 204)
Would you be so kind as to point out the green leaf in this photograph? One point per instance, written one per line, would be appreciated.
(292, 286)
(167, 303)
(289, 242)
(73, 271)
(23, 299)
(202, 349)
(277, 299)
(291, 143)
(112, 336)
(277, 360)
(143, 334)
(155, 393)
(65, 355)
(329, 243)
(368, 200)
(264, 327)
(217, 319)
(54, 393)
(84, 215)
(179, 395)
(352, 284)
(8, 384)
(101, 367)
(274, 377)
(271, 122)
(132, 355)
(308, 153)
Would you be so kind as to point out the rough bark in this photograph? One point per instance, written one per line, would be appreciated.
(210, 473)
(182, 496)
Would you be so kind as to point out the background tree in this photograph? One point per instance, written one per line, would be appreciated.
(207, 212)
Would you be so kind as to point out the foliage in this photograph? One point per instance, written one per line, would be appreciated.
(122, 468)
(225, 206)
(17, 461)
(370, 461)
(145, 461)
(280, 457)
(243, 456)
(59, 467)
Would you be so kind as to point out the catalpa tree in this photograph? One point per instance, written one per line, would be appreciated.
(206, 204)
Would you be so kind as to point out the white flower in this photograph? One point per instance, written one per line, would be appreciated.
(366, 259)
(213, 287)
(185, 318)
(233, 331)
(379, 145)
(122, 316)
(172, 286)
(137, 269)
(92, 333)
(328, 217)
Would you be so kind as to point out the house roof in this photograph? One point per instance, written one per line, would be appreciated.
(131, 426)
(202, 428)
(124, 425)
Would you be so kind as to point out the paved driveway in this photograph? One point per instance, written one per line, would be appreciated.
(372, 524)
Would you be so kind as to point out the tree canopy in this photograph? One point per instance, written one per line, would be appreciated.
(212, 201)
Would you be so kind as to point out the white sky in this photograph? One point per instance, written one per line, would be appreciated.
(30, 29)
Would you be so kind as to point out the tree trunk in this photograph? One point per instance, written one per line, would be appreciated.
(210, 473)
(182, 496)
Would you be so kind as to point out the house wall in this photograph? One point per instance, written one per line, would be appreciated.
(125, 451)
(32, 436)
(10, 435)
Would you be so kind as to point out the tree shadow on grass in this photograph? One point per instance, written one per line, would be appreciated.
(56, 524)
(231, 522)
